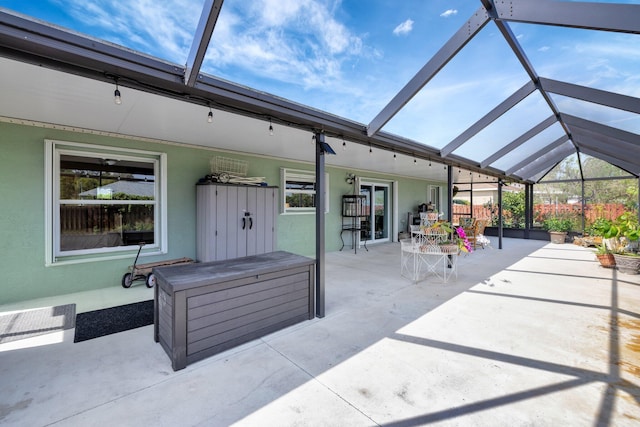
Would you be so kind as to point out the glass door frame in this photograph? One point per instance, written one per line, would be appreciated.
(388, 208)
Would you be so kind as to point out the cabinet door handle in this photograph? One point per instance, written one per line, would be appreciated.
(244, 223)
(250, 223)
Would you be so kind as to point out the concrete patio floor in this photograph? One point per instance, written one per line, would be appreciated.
(534, 334)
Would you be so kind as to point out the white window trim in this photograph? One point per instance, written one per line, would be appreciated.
(283, 193)
(53, 148)
(438, 202)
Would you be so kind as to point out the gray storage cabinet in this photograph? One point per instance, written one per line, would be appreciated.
(234, 221)
(204, 308)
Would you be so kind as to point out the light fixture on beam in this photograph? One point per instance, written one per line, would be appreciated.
(210, 115)
(344, 144)
(270, 127)
(117, 98)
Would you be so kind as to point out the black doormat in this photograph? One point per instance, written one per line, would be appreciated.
(98, 323)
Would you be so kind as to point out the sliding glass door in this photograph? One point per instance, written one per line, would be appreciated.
(375, 227)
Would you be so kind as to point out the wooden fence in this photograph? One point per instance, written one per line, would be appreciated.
(99, 219)
(540, 211)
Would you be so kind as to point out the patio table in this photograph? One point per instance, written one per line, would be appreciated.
(425, 254)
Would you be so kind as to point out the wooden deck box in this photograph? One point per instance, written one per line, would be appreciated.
(205, 308)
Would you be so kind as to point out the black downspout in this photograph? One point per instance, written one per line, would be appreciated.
(500, 214)
(450, 210)
(528, 207)
(471, 198)
(531, 205)
(450, 197)
(584, 205)
(320, 208)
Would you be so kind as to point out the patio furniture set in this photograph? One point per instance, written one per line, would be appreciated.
(430, 252)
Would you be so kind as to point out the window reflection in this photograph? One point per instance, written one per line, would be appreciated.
(86, 178)
(101, 202)
(105, 226)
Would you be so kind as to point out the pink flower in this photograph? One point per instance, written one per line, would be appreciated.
(463, 241)
(461, 233)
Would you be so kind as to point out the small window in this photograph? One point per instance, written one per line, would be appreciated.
(299, 191)
(102, 201)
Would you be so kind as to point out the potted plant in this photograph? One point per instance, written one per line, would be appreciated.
(438, 227)
(605, 256)
(621, 238)
(455, 241)
(558, 227)
(597, 229)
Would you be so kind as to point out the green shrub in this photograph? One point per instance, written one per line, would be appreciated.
(558, 223)
(599, 227)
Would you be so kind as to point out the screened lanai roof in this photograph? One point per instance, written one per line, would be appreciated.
(506, 88)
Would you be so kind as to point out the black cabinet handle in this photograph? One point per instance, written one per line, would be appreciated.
(250, 223)
(244, 223)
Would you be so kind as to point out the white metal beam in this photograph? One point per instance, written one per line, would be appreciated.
(607, 148)
(489, 118)
(548, 160)
(614, 150)
(597, 96)
(32, 41)
(628, 167)
(624, 18)
(608, 131)
(606, 141)
(201, 39)
(519, 141)
(558, 142)
(517, 49)
(430, 69)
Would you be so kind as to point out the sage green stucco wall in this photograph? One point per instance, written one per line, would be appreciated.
(22, 219)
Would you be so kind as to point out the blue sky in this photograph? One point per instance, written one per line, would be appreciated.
(350, 57)
(322, 53)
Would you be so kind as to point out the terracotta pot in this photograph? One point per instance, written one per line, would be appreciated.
(606, 260)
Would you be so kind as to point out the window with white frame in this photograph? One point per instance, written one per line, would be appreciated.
(103, 200)
(434, 197)
(299, 191)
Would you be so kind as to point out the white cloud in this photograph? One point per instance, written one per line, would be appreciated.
(448, 13)
(297, 42)
(404, 28)
(544, 48)
(162, 29)
(291, 48)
